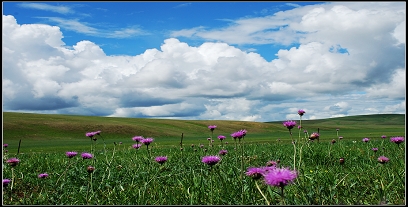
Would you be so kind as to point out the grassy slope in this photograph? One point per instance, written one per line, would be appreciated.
(51, 132)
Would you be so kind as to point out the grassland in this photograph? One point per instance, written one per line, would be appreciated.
(59, 133)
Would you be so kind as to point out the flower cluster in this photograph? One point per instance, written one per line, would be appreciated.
(397, 140)
(71, 154)
(43, 175)
(91, 134)
(137, 139)
(289, 124)
(161, 159)
(13, 161)
(210, 160)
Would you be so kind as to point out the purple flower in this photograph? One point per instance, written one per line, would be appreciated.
(136, 146)
(212, 127)
(289, 124)
(90, 169)
(383, 136)
(71, 154)
(43, 175)
(397, 140)
(280, 177)
(221, 137)
(5, 145)
(255, 172)
(209, 138)
(314, 136)
(271, 163)
(86, 155)
(137, 138)
(299, 127)
(374, 149)
(223, 152)
(366, 139)
(301, 112)
(201, 145)
(6, 182)
(383, 159)
(161, 159)
(13, 161)
(211, 160)
(147, 141)
(238, 134)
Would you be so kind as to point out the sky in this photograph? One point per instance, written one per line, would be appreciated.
(244, 61)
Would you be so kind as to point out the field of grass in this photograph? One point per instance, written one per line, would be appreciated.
(53, 133)
(124, 175)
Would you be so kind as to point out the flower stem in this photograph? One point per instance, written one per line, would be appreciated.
(259, 189)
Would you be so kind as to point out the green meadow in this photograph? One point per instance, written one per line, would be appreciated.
(124, 175)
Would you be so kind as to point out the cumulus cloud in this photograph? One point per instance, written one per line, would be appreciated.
(347, 57)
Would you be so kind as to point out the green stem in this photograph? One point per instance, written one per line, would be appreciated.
(259, 189)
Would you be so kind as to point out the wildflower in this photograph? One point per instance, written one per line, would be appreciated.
(147, 141)
(301, 112)
(314, 136)
(397, 140)
(136, 146)
(299, 127)
(137, 138)
(71, 154)
(212, 127)
(161, 159)
(238, 134)
(120, 143)
(226, 142)
(13, 161)
(210, 160)
(366, 139)
(333, 141)
(383, 159)
(90, 169)
(305, 131)
(255, 172)
(201, 145)
(192, 145)
(271, 163)
(209, 138)
(221, 137)
(340, 137)
(92, 134)
(383, 136)
(341, 161)
(337, 129)
(43, 175)
(181, 149)
(5, 145)
(6, 182)
(289, 124)
(86, 155)
(223, 152)
(280, 177)
(374, 149)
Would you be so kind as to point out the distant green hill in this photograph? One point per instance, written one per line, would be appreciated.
(52, 132)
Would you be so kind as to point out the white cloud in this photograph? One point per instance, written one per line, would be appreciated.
(47, 7)
(216, 80)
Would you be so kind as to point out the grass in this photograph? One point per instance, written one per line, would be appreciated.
(127, 176)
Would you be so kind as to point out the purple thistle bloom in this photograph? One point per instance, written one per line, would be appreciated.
(147, 141)
(223, 152)
(301, 112)
(299, 127)
(212, 127)
(289, 124)
(271, 163)
(383, 136)
(255, 172)
(209, 138)
(136, 146)
(71, 154)
(201, 145)
(43, 175)
(210, 160)
(5, 145)
(6, 182)
(90, 134)
(375, 149)
(13, 161)
(161, 159)
(366, 139)
(314, 136)
(90, 169)
(383, 159)
(137, 138)
(238, 134)
(280, 177)
(86, 155)
(397, 140)
(221, 137)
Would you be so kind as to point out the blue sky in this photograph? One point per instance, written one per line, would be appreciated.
(252, 61)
